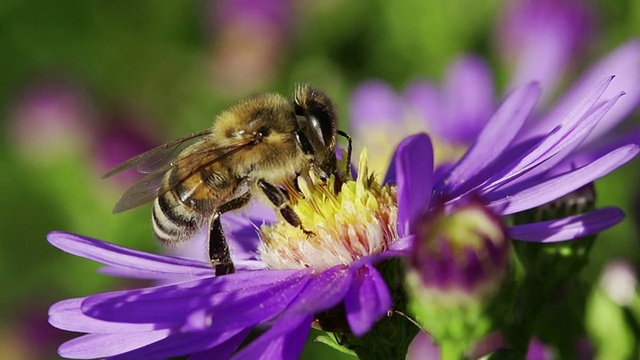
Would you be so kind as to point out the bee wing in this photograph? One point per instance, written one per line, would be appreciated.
(157, 158)
(153, 184)
(140, 193)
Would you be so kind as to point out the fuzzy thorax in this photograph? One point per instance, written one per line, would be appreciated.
(337, 228)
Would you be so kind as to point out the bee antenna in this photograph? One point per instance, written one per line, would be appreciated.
(349, 153)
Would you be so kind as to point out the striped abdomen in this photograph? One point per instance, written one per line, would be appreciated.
(174, 222)
(181, 211)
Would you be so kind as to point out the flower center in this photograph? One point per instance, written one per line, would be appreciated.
(337, 228)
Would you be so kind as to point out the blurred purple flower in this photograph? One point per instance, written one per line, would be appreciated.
(514, 171)
(423, 347)
(276, 14)
(52, 117)
(453, 115)
(250, 42)
(122, 136)
(540, 39)
(539, 351)
(27, 335)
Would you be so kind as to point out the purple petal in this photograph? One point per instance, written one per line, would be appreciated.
(568, 150)
(623, 62)
(587, 155)
(66, 315)
(367, 300)
(509, 202)
(180, 344)
(530, 36)
(93, 346)
(425, 101)
(496, 136)
(402, 244)
(143, 275)
(423, 346)
(572, 130)
(242, 237)
(172, 304)
(375, 104)
(324, 291)
(539, 351)
(413, 163)
(285, 340)
(139, 261)
(254, 307)
(468, 100)
(568, 228)
(243, 229)
(224, 350)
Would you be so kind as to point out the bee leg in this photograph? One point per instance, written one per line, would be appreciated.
(218, 246)
(219, 249)
(347, 170)
(280, 199)
(236, 203)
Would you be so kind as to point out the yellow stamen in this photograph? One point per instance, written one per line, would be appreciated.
(359, 220)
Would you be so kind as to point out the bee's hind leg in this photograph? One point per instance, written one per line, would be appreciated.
(218, 246)
(219, 249)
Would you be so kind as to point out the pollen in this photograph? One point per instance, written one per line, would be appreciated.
(337, 227)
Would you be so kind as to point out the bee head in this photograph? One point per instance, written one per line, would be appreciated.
(317, 118)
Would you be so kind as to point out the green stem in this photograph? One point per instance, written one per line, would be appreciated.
(450, 350)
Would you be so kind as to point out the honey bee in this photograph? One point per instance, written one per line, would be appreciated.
(260, 145)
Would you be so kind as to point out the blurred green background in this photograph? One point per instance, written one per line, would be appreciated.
(87, 84)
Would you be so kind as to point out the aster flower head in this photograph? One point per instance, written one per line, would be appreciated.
(206, 315)
(452, 114)
(513, 175)
(539, 39)
(341, 229)
(509, 170)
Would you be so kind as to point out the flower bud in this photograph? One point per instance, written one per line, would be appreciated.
(458, 264)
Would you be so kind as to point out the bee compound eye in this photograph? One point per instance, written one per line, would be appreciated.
(298, 110)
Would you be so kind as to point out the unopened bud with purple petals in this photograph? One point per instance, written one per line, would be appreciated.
(459, 262)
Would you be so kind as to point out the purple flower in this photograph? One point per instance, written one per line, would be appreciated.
(251, 39)
(457, 266)
(52, 117)
(287, 279)
(123, 136)
(283, 282)
(453, 114)
(540, 39)
(513, 170)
